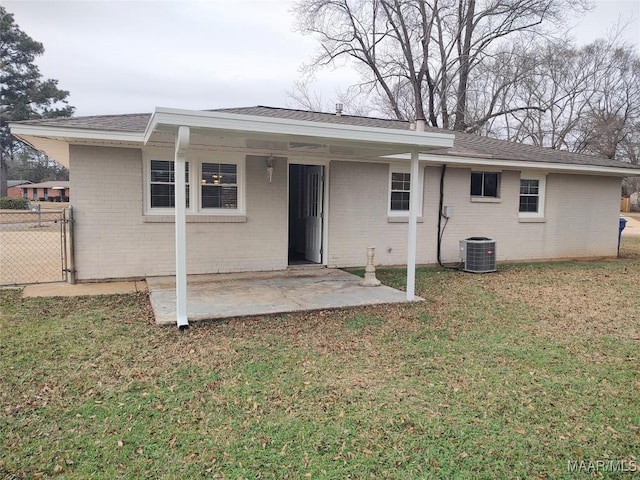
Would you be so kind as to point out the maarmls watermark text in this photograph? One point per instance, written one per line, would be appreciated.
(595, 466)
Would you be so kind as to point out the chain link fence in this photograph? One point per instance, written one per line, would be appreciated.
(34, 246)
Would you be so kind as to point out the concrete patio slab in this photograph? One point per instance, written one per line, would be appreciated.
(83, 289)
(244, 294)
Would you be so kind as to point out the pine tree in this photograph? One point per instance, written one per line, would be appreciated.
(24, 94)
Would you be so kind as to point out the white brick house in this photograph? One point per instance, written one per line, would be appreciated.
(268, 187)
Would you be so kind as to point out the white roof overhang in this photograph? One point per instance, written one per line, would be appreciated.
(370, 142)
(54, 141)
(384, 140)
(477, 162)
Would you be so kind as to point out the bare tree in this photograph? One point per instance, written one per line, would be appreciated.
(589, 98)
(302, 95)
(418, 58)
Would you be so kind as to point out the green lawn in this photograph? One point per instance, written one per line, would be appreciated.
(505, 375)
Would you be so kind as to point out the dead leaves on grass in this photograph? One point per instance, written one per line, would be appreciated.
(572, 303)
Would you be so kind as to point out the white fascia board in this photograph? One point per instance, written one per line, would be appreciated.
(522, 165)
(167, 119)
(19, 129)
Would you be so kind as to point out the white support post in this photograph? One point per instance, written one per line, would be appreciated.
(182, 144)
(414, 206)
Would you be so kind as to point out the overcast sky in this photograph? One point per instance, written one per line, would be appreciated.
(129, 57)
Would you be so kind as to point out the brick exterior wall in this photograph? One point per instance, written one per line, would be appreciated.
(581, 217)
(15, 192)
(114, 239)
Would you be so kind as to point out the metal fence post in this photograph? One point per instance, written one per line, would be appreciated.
(71, 263)
(63, 243)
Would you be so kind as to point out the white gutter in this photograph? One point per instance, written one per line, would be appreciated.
(371, 135)
(20, 129)
(520, 164)
(167, 119)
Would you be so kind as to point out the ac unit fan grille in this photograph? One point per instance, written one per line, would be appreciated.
(478, 255)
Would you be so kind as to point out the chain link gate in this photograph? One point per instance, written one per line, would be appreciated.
(35, 246)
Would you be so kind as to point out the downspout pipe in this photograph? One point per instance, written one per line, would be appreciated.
(440, 226)
(440, 207)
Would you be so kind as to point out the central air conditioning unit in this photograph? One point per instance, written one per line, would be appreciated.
(478, 254)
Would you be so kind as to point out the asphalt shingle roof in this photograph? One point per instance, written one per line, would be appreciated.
(131, 122)
(49, 184)
(466, 144)
(15, 183)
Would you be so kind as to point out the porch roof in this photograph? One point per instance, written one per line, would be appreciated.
(361, 140)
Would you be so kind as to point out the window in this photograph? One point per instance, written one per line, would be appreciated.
(531, 198)
(529, 195)
(46, 194)
(162, 183)
(400, 188)
(485, 184)
(219, 185)
(215, 183)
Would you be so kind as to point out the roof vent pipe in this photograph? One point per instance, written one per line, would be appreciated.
(338, 109)
(420, 124)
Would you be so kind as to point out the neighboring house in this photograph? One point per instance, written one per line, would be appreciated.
(52, 191)
(269, 187)
(634, 204)
(14, 188)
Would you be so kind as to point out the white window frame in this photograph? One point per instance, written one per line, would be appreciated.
(542, 187)
(405, 168)
(239, 185)
(147, 188)
(195, 160)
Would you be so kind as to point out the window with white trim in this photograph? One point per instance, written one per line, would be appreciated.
(162, 180)
(531, 195)
(485, 184)
(399, 199)
(220, 190)
(400, 191)
(219, 185)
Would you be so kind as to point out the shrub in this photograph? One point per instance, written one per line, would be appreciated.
(11, 203)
